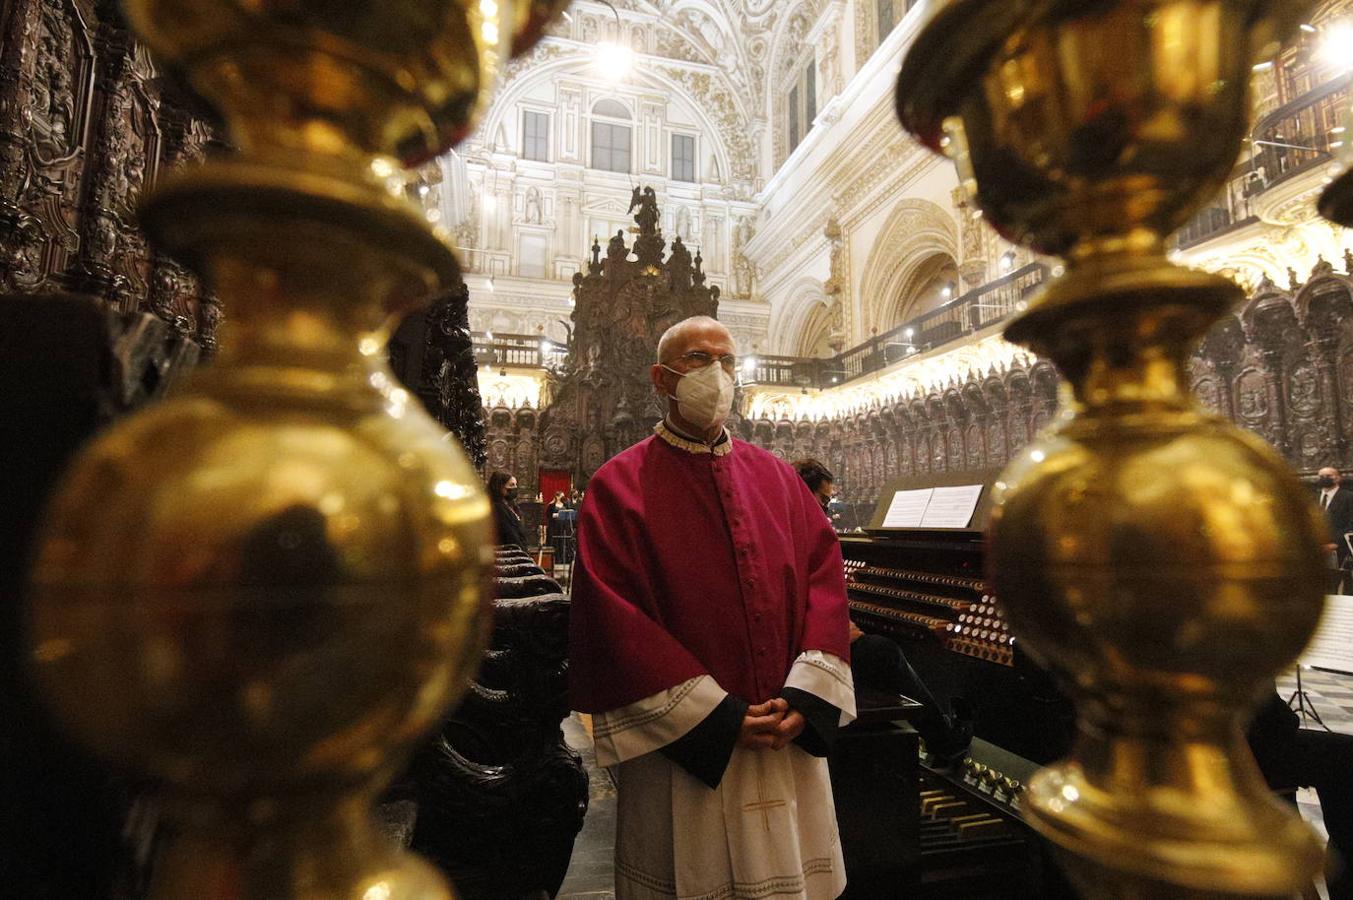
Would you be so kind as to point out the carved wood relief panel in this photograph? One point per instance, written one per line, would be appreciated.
(86, 122)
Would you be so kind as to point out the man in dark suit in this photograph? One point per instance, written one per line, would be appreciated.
(1338, 506)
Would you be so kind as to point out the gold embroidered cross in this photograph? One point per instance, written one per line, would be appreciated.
(762, 805)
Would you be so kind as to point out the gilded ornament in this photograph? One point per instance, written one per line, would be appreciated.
(1164, 564)
(264, 590)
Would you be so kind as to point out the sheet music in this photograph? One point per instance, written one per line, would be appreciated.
(1332, 645)
(952, 507)
(907, 509)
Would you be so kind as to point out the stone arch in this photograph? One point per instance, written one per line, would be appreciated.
(816, 333)
(917, 288)
(792, 322)
(917, 231)
(1248, 266)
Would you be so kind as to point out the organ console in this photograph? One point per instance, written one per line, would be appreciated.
(926, 589)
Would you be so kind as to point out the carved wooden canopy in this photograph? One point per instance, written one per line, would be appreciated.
(604, 401)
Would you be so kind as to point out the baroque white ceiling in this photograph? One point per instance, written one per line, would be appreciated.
(727, 55)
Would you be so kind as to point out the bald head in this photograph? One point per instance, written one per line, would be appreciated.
(687, 346)
(684, 335)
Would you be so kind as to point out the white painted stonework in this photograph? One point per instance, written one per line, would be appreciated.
(815, 247)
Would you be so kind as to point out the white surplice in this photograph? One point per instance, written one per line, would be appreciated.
(769, 828)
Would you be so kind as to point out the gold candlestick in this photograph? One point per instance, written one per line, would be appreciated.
(1162, 562)
(263, 591)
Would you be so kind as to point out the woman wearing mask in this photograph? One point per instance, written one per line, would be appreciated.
(503, 493)
(554, 531)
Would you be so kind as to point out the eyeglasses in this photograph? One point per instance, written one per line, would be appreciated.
(699, 359)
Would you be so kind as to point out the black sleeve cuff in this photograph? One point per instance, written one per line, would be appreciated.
(704, 751)
(821, 720)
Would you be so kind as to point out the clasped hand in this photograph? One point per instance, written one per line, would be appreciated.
(770, 726)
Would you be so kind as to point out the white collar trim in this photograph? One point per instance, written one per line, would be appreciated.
(722, 447)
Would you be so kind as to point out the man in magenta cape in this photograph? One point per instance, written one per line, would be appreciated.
(709, 642)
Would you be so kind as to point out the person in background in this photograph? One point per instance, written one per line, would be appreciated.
(821, 482)
(878, 662)
(1290, 757)
(553, 527)
(506, 515)
(1338, 506)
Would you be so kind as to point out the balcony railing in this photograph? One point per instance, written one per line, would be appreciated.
(793, 371)
(1230, 210)
(521, 351)
(1302, 133)
(1294, 138)
(957, 319)
(964, 316)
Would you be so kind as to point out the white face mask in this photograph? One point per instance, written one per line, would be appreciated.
(705, 396)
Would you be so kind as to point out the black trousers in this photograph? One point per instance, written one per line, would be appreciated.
(1290, 757)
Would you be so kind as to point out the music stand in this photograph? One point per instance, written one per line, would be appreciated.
(1304, 707)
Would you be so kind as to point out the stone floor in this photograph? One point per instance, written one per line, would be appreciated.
(591, 874)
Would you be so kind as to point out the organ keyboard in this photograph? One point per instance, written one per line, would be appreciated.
(926, 589)
(953, 608)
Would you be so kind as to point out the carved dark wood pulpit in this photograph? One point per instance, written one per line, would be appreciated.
(604, 401)
(433, 355)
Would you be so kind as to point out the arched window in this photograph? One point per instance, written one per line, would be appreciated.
(610, 140)
(815, 339)
(611, 109)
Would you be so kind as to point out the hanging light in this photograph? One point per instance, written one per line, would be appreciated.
(1336, 46)
(614, 58)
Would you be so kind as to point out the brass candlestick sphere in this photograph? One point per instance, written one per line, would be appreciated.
(1162, 562)
(263, 591)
